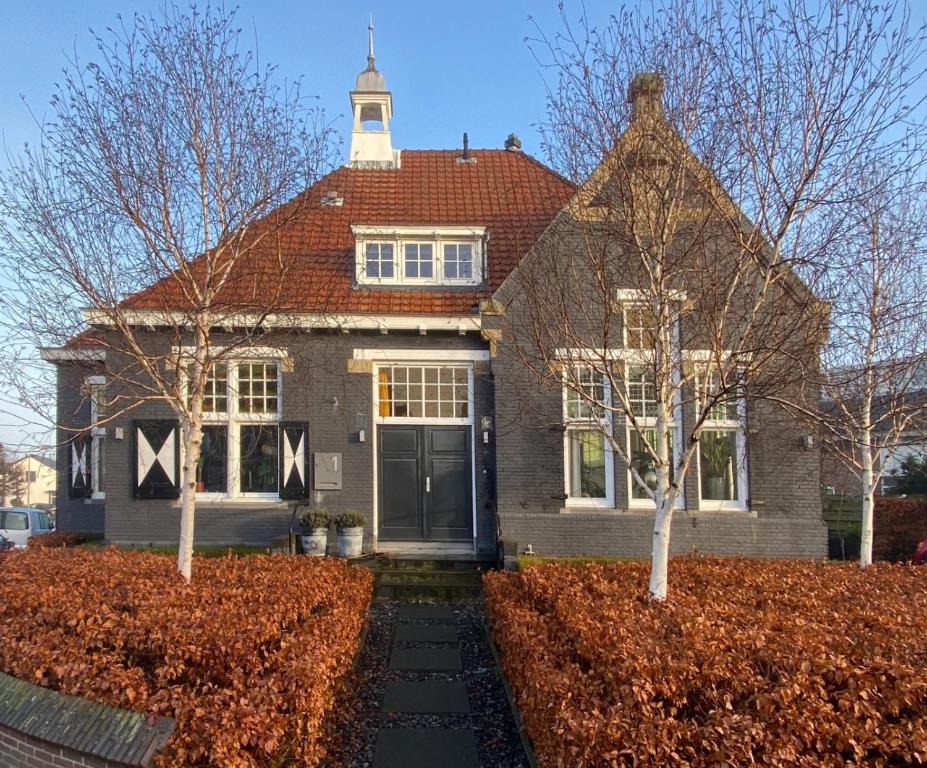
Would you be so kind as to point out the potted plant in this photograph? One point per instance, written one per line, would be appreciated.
(350, 526)
(315, 520)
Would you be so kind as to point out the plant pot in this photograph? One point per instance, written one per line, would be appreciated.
(717, 488)
(350, 541)
(315, 543)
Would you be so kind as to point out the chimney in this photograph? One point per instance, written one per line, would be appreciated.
(465, 156)
(513, 143)
(646, 95)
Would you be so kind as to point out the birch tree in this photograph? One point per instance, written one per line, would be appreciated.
(876, 287)
(172, 159)
(696, 209)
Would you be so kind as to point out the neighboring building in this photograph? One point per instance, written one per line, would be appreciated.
(397, 403)
(39, 480)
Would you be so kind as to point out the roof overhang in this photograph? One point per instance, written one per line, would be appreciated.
(72, 354)
(154, 318)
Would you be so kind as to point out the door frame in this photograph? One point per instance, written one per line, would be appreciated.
(378, 357)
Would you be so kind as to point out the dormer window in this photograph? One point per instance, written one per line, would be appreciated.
(420, 256)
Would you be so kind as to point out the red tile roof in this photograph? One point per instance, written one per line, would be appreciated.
(513, 195)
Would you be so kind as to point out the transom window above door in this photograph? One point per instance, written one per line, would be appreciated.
(419, 255)
(423, 392)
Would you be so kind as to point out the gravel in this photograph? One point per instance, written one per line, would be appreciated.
(352, 734)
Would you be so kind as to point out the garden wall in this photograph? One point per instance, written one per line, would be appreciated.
(40, 728)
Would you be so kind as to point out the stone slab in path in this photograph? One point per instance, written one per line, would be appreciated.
(425, 748)
(426, 697)
(412, 611)
(426, 660)
(425, 633)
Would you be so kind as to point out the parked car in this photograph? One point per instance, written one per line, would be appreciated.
(920, 554)
(17, 524)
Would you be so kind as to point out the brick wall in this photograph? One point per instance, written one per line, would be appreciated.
(20, 751)
(319, 391)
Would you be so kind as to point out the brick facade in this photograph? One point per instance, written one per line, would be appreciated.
(320, 391)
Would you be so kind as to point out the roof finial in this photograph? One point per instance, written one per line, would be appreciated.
(370, 44)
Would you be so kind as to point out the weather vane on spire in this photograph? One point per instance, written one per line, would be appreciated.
(370, 44)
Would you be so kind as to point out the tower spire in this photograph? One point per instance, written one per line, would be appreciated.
(370, 44)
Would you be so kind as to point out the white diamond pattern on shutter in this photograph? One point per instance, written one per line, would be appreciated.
(293, 468)
(156, 459)
(79, 467)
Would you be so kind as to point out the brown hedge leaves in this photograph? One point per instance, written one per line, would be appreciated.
(246, 658)
(773, 663)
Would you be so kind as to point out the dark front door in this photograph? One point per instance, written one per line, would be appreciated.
(426, 488)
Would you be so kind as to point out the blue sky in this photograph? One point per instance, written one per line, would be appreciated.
(452, 67)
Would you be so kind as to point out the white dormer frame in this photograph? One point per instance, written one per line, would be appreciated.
(437, 236)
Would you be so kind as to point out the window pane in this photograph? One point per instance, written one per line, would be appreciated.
(587, 464)
(640, 326)
(379, 258)
(419, 260)
(431, 392)
(257, 388)
(43, 521)
(258, 458)
(642, 395)
(718, 464)
(212, 468)
(458, 261)
(17, 521)
(644, 464)
(583, 393)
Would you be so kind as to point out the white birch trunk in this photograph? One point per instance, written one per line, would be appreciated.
(659, 555)
(192, 443)
(867, 475)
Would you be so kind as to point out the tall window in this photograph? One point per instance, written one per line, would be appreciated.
(588, 462)
(642, 399)
(241, 411)
(379, 261)
(722, 447)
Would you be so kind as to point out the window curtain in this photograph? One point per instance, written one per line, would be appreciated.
(385, 407)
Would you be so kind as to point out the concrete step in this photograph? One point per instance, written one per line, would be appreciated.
(447, 578)
(417, 564)
(417, 591)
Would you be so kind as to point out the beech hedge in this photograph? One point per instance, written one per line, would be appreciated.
(247, 658)
(900, 525)
(770, 663)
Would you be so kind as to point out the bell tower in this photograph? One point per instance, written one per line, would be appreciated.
(372, 106)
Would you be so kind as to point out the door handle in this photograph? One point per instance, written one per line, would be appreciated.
(427, 485)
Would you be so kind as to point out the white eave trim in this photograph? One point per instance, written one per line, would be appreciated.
(449, 231)
(421, 355)
(77, 354)
(297, 321)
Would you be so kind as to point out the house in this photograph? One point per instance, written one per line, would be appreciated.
(39, 479)
(385, 388)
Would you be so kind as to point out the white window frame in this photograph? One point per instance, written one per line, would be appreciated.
(362, 260)
(736, 425)
(233, 420)
(460, 421)
(650, 423)
(404, 261)
(582, 424)
(95, 385)
(437, 237)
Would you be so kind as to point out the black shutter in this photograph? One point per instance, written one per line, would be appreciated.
(79, 481)
(157, 459)
(294, 454)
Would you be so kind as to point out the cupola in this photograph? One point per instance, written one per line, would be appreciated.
(372, 106)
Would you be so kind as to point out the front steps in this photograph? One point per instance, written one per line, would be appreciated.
(426, 579)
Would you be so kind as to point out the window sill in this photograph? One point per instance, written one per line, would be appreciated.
(238, 503)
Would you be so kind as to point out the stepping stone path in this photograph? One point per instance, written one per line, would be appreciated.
(429, 693)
